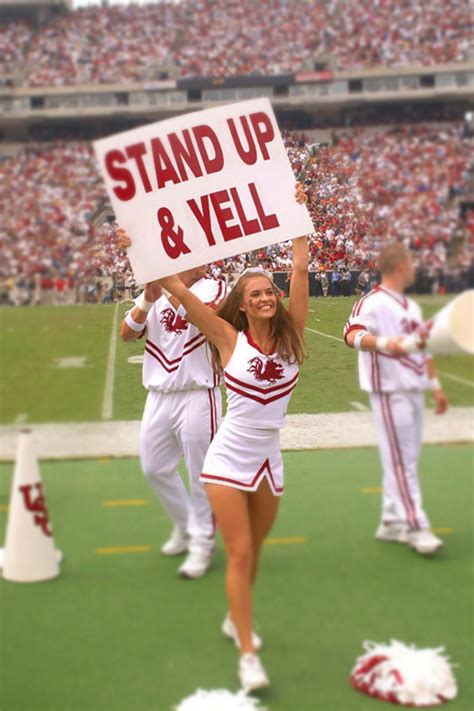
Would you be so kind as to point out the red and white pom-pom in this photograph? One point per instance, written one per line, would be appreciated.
(218, 700)
(404, 675)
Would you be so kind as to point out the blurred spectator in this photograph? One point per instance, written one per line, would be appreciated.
(368, 187)
(219, 38)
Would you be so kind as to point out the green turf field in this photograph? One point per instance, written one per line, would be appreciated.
(120, 631)
(34, 389)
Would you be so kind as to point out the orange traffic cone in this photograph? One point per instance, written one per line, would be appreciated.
(29, 555)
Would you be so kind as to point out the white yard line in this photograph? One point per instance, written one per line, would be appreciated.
(359, 406)
(450, 376)
(456, 378)
(320, 333)
(108, 401)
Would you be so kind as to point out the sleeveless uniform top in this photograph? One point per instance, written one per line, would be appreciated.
(258, 386)
(383, 312)
(177, 356)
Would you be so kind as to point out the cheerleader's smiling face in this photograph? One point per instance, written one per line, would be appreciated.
(259, 300)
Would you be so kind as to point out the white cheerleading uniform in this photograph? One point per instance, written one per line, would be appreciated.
(247, 446)
(182, 412)
(396, 386)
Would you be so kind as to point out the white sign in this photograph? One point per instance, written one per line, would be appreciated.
(201, 187)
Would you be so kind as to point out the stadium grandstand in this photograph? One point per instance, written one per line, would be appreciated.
(384, 88)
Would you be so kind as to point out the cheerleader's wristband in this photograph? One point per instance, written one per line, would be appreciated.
(358, 339)
(381, 343)
(143, 304)
(131, 323)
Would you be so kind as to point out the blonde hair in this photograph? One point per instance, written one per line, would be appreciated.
(391, 256)
(287, 340)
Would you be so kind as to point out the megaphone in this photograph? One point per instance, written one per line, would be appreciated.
(450, 331)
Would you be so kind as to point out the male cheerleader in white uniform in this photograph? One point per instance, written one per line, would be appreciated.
(396, 381)
(258, 345)
(182, 411)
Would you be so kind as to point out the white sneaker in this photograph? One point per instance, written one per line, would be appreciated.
(177, 543)
(230, 630)
(424, 541)
(252, 675)
(395, 532)
(195, 565)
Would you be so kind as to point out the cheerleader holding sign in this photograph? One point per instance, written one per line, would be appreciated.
(258, 345)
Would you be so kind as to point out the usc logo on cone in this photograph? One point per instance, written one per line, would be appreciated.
(37, 506)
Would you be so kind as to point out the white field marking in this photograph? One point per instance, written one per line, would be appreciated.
(359, 406)
(108, 401)
(456, 378)
(70, 362)
(135, 359)
(21, 418)
(320, 333)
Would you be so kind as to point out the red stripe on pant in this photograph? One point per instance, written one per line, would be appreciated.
(213, 395)
(211, 411)
(397, 461)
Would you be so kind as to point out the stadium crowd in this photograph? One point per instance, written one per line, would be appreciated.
(367, 187)
(217, 38)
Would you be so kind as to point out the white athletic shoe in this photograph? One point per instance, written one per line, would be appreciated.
(177, 543)
(424, 541)
(230, 631)
(252, 675)
(395, 532)
(195, 565)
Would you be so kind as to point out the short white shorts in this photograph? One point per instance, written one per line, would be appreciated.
(242, 458)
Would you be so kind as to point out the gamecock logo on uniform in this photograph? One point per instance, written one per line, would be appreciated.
(271, 371)
(36, 506)
(172, 322)
(410, 326)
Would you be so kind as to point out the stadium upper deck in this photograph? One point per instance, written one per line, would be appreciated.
(217, 38)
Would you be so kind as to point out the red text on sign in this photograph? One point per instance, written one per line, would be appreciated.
(227, 206)
(194, 153)
(258, 132)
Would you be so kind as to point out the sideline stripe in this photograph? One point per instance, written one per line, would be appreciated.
(123, 549)
(359, 406)
(124, 502)
(456, 378)
(320, 333)
(285, 541)
(107, 403)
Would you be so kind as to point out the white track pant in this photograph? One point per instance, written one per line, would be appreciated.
(399, 423)
(175, 425)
